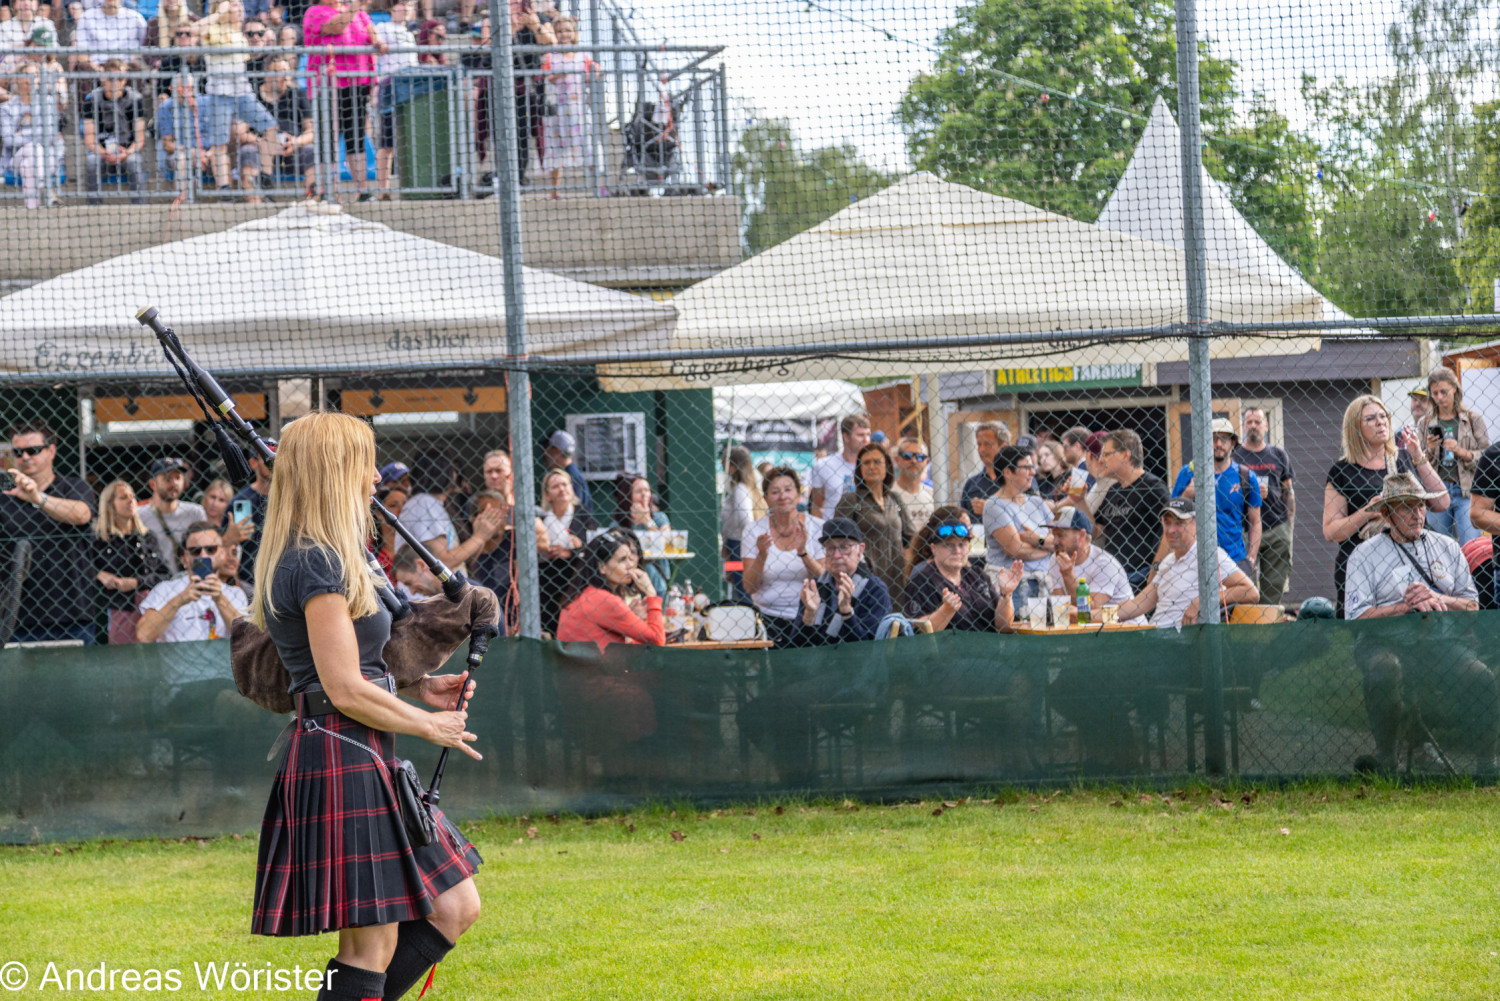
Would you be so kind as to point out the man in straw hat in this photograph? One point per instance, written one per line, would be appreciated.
(1426, 677)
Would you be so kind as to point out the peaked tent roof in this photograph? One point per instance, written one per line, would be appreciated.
(306, 290)
(1147, 203)
(926, 259)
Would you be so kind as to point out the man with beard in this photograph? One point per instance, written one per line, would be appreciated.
(1236, 499)
(1273, 469)
(167, 516)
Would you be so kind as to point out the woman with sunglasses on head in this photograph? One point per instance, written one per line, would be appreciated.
(334, 852)
(949, 592)
(782, 550)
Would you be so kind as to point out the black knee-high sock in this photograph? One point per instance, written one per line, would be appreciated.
(342, 982)
(419, 945)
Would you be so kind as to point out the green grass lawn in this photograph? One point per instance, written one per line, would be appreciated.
(1324, 892)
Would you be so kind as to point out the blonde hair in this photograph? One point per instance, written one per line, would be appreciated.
(320, 496)
(1356, 449)
(549, 478)
(104, 524)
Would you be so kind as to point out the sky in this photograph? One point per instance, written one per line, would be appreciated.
(839, 81)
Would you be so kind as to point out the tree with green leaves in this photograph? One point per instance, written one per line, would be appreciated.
(1479, 257)
(785, 190)
(1399, 157)
(1044, 100)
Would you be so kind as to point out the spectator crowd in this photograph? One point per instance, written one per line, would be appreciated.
(242, 121)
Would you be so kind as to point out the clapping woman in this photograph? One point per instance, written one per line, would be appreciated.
(783, 551)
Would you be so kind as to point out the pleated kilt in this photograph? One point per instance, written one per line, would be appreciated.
(333, 852)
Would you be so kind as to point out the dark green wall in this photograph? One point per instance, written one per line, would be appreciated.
(682, 421)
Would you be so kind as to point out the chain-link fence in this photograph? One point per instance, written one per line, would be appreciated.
(987, 283)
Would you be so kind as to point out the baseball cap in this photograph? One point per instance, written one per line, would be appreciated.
(393, 471)
(1221, 425)
(563, 442)
(1180, 508)
(1071, 517)
(1026, 443)
(841, 528)
(1095, 443)
(170, 464)
(42, 37)
(1418, 391)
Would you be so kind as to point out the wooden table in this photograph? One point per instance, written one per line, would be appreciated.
(1096, 627)
(725, 645)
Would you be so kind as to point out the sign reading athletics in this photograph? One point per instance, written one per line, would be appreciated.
(1056, 377)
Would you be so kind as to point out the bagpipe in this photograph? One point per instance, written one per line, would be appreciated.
(424, 634)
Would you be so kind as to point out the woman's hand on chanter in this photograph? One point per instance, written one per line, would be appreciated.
(446, 729)
(441, 690)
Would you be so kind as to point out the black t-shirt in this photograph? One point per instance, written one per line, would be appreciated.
(291, 110)
(924, 593)
(251, 546)
(304, 573)
(1445, 460)
(1130, 517)
(59, 590)
(114, 119)
(1272, 466)
(1487, 475)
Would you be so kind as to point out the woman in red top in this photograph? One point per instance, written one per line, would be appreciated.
(607, 705)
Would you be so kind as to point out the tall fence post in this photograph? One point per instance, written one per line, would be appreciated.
(518, 398)
(1200, 385)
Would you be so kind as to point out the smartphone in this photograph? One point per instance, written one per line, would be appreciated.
(7, 481)
(242, 511)
(203, 567)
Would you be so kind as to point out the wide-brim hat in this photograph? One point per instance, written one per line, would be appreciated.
(1404, 487)
(1222, 425)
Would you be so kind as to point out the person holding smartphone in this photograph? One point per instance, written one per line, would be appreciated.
(246, 515)
(196, 605)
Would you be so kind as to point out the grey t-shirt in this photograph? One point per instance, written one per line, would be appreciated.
(169, 532)
(304, 573)
(1031, 513)
(1379, 574)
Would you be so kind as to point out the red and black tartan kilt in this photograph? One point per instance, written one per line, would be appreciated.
(333, 852)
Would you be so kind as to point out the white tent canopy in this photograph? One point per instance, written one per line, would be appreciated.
(307, 290)
(1147, 203)
(926, 259)
(788, 400)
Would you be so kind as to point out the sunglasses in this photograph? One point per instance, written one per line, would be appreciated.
(201, 550)
(255, 34)
(31, 450)
(953, 531)
(913, 456)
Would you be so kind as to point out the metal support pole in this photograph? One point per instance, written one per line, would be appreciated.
(726, 174)
(1200, 383)
(518, 398)
(937, 441)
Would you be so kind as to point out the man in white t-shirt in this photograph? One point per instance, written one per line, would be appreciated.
(833, 475)
(1173, 594)
(111, 27)
(193, 607)
(912, 459)
(1076, 556)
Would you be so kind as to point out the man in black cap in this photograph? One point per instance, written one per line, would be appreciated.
(845, 603)
(168, 516)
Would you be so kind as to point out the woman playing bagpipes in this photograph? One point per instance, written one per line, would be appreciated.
(334, 854)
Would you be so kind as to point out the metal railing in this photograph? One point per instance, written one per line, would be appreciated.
(641, 120)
